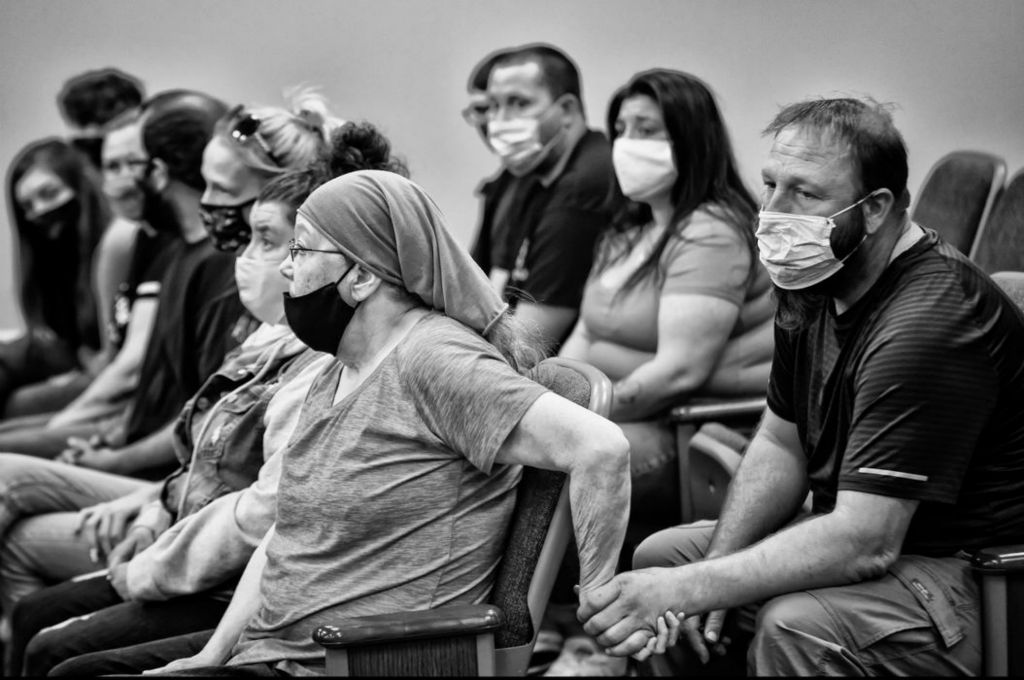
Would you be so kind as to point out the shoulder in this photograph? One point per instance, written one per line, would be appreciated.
(589, 178)
(438, 339)
(706, 230)
(119, 237)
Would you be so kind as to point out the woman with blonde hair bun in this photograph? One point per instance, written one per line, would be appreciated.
(251, 145)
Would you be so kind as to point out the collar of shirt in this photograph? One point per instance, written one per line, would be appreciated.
(573, 139)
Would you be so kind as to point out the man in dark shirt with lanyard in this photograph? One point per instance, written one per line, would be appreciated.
(896, 397)
(557, 191)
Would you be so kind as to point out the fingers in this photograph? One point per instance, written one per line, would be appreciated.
(691, 631)
(674, 626)
(713, 625)
(647, 651)
(594, 600)
(623, 629)
(633, 644)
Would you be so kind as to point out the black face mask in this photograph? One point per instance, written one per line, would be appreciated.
(91, 147)
(227, 224)
(52, 223)
(319, 318)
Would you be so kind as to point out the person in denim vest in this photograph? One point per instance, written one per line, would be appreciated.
(222, 499)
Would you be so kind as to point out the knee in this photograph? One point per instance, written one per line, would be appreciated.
(673, 547)
(44, 651)
(790, 635)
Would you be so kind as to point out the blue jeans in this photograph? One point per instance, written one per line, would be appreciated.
(39, 504)
(921, 618)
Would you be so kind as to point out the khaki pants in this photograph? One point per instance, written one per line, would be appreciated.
(921, 618)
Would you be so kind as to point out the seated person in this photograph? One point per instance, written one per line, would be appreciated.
(424, 419)
(88, 101)
(177, 584)
(541, 217)
(175, 127)
(896, 395)
(184, 343)
(677, 305)
(58, 212)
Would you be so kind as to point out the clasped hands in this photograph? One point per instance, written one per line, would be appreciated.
(632, 615)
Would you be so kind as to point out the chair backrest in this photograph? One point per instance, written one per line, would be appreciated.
(1000, 246)
(957, 196)
(541, 525)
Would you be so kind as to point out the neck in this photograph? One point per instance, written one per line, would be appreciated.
(376, 328)
(661, 209)
(878, 252)
(565, 144)
(185, 203)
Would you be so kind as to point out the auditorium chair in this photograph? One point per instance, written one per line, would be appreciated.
(957, 196)
(497, 637)
(1000, 245)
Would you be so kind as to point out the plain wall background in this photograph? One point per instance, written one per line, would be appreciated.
(954, 68)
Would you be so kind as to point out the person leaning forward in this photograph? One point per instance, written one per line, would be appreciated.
(896, 396)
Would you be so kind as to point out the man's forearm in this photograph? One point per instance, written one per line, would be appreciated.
(766, 492)
(823, 551)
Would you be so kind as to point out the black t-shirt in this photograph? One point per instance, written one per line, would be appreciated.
(199, 309)
(152, 254)
(545, 234)
(917, 392)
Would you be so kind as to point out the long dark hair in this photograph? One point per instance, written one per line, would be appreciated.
(78, 174)
(706, 165)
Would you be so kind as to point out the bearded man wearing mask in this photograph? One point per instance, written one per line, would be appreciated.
(896, 395)
(557, 191)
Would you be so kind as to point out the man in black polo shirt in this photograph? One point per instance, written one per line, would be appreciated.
(557, 190)
(896, 396)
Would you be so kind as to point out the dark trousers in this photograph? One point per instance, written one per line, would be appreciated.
(93, 618)
(134, 659)
(31, 358)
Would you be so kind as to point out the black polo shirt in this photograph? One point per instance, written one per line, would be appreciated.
(917, 391)
(543, 229)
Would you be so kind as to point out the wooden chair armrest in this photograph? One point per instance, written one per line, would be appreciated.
(445, 621)
(718, 410)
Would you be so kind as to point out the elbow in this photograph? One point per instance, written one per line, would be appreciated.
(605, 455)
(872, 556)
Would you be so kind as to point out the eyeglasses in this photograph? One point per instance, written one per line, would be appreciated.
(295, 248)
(248, 127)
(115, 166)
(476, 113)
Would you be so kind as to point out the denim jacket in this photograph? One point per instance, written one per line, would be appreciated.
(219, 435)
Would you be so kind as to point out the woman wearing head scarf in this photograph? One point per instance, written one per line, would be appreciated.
(398, 485)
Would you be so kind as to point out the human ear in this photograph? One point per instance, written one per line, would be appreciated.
(159, 177)
(877, 208)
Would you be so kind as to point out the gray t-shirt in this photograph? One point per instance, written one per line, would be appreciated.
(390, 500)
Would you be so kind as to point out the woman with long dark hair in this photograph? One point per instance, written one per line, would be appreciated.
(58, 212)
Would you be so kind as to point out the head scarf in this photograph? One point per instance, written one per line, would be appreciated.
(391, 227)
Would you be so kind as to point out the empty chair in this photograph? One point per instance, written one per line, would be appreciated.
(957, 196)
(1000, 244)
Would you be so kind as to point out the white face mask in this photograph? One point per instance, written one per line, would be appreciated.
(517, 142)
(795, 249)
(645, 167)
(261, 286)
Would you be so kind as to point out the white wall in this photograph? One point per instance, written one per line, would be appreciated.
(954, 67)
